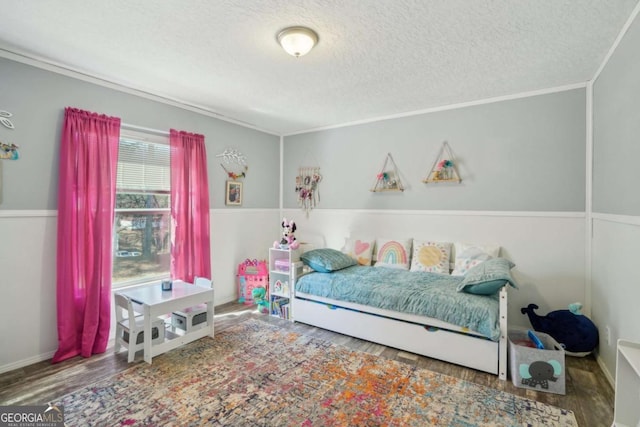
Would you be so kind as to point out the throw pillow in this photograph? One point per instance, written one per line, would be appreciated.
(393, 253)
(359, 249)
(470, 255)
(327, 260)
(432, 257)
(488, 277)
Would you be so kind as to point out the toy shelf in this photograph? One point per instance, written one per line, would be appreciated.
(281, 272)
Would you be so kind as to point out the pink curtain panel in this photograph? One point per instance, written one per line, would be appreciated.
(190, 248)
(86, 198)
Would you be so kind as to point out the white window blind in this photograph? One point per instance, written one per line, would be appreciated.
(143, 167)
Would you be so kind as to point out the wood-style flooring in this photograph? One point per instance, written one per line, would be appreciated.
(588, 393)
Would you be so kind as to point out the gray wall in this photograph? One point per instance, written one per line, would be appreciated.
(520, 155)
(616, 202)
(37, 99)
(616, 130)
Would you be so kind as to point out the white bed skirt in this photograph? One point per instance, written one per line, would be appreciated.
(421, 335)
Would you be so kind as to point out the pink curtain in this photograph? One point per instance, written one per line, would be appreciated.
(190, 250)
(86, 198)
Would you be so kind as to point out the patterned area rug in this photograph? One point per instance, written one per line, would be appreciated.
(255, 374)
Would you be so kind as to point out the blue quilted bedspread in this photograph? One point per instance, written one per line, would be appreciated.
(426, 294)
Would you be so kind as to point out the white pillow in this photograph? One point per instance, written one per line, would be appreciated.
(432, 257)
(359, 249)
(469, 255)
(393, 253)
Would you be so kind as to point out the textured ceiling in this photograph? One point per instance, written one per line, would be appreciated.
(375, 58)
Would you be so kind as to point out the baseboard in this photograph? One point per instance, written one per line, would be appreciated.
(607, 374)
(226, 300)
(49, 355)
(26, 362)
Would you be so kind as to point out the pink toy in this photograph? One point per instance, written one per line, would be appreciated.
(251, 274)
(288, 240)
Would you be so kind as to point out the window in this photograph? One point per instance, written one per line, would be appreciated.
(142, 226)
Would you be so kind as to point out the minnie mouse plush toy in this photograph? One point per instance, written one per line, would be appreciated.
(288, 240)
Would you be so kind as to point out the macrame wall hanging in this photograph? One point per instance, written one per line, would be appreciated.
(308, 188)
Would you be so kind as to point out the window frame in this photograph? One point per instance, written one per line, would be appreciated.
(142, 137)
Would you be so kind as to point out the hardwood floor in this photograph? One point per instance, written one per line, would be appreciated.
(588, 393)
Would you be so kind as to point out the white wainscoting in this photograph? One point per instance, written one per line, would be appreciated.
(615, 284)
(28, 286)
(238, 234)
(28, 278)
(548, 248)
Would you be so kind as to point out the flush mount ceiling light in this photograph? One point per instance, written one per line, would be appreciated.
(297, 41)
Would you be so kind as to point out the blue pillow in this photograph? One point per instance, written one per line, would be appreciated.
(327, 260)
(487, 277)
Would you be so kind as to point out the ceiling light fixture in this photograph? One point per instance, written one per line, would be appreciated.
(297, 41)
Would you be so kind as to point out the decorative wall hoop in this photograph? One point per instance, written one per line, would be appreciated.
(234, 163)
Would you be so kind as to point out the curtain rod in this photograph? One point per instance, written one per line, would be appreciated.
(144, 129)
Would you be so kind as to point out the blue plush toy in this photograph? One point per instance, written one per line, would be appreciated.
(575, 331)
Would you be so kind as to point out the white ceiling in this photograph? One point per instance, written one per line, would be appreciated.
(375, 58)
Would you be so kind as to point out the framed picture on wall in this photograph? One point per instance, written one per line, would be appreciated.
(234, 193)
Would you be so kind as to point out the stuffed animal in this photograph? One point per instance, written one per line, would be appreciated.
(575, 331)
(288, 240)
(259, 296)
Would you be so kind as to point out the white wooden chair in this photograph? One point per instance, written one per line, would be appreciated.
(202, 281)
(195, 317)
(130, 327)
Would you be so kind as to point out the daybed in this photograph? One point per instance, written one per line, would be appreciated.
(419, 312)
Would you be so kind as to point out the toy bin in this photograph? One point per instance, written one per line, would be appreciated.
(282, 265)
(251, 274)
(190, 319)
(534, 368)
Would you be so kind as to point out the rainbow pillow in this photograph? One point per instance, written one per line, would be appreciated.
(393, 253)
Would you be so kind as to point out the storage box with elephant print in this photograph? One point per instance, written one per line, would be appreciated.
(534, 368)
